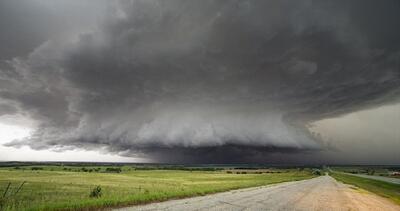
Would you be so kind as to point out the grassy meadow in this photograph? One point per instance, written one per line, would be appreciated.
(70, 187)
(385, 189)
(384, 171)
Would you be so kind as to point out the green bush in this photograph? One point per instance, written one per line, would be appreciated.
(317, 172)
(96, 192)
(36, 168)
(113, 170)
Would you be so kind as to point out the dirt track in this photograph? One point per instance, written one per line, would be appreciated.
(322, 193)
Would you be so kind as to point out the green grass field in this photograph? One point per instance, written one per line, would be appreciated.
(56, 188)
(369, 170)
(388, 190)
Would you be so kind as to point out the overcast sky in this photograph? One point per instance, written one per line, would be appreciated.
(212, 81)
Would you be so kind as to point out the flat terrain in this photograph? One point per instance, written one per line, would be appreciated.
(321, 193)
(382, 188)
(385, 179)
(52, 187)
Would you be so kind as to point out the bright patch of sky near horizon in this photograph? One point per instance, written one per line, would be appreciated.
(17, 127)
(370, 133)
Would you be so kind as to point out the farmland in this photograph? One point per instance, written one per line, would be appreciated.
(71, 187)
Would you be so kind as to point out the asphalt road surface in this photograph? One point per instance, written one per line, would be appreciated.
(321, 193)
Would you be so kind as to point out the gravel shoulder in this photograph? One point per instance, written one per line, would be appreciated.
(321, 193)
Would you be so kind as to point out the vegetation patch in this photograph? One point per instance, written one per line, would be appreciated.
(75, 188)
(385, 189)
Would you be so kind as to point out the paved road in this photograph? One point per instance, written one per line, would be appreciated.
(385, 179)
(322, 193)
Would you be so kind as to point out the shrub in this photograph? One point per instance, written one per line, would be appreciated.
(96, 192)
(317, 172)
(370, 171)
(113, 170)
(36, 168)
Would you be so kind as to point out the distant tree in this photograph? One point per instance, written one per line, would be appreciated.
(317, 172)
(113, 170)
(36, 168)
(370, 171)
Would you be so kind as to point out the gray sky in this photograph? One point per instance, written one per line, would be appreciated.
(200, 81)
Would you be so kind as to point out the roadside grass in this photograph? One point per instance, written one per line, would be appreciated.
(66, 190)
(383, 171)
(385, 189)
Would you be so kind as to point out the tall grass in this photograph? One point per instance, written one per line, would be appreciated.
(9, 195)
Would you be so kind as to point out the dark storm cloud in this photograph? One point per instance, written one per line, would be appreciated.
(228, 153)
(18, 20)
(25, 24)
(209, 80)
(7, 109)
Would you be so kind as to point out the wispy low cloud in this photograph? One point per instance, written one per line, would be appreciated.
(193, 81)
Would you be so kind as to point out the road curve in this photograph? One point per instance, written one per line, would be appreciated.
(321, 193)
